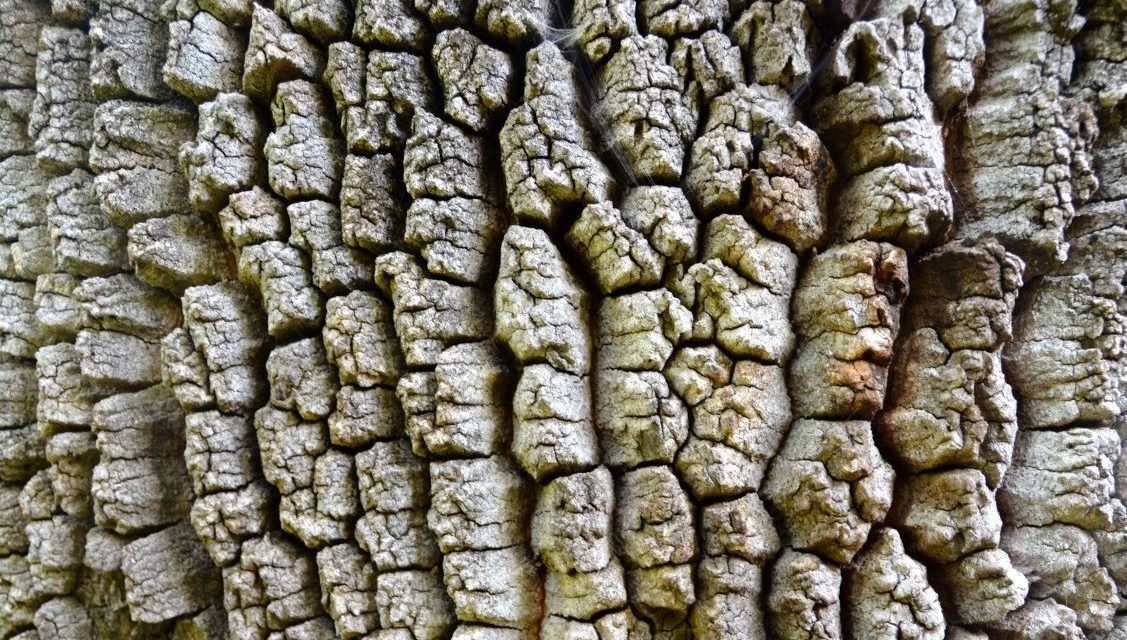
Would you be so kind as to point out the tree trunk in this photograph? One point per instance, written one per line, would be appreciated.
(512, 319)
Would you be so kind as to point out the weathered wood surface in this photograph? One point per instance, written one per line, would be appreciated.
(593, 320)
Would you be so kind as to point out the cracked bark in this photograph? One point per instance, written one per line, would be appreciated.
(611, 319)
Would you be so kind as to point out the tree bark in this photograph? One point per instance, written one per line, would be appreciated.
(603, 320)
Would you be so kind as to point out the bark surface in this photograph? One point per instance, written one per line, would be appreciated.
(563, 320)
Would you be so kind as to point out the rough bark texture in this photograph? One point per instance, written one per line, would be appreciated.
(591, 320)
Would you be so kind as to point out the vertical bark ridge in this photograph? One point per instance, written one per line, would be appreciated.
(948, 421)
(1049, 179)
(27, 499)
(61, 125)
(152, 569)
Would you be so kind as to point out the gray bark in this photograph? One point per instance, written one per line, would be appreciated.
(593, 320)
